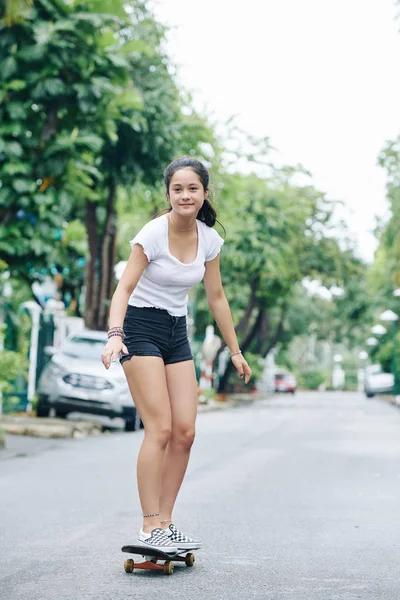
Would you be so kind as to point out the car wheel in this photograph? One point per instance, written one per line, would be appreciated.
(369, 394)
(42, 409)
(133, 424)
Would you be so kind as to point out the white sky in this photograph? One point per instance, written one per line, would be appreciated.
(319, 77)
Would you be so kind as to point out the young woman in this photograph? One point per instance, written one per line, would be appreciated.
(148, 333)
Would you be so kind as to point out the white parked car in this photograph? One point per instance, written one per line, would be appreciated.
(75, 380)
(377, 382)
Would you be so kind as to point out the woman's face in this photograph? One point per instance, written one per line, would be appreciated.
(186, 192)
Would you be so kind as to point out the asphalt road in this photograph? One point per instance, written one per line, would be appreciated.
(294, 498)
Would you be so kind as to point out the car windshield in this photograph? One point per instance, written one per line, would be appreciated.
(85, 347)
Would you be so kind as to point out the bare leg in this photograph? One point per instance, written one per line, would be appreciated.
(182, 388)
(147, 382)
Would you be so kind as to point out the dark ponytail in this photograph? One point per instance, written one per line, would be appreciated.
(207, 213)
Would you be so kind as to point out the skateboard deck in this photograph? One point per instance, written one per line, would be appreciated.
(153, 556)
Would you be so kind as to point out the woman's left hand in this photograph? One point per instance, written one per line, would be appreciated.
(242, 367)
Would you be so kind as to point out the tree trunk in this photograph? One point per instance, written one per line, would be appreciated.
(271, 343)
(262, 333)
(99, 276)
(244, 346)
(108, 256)
(91, 275)
(244, 323)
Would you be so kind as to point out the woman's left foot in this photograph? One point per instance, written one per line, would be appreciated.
(181, 540)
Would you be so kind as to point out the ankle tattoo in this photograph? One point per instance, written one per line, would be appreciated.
(152, 515)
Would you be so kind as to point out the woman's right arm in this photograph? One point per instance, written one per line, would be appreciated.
(135, 266)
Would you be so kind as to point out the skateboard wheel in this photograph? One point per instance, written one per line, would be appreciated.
(189, 559)
(168, 567)
(129, 565)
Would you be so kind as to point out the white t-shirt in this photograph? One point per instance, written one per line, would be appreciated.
(166, 280)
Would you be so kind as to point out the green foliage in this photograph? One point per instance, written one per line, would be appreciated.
(14, 11)
(13, 364)
(384, 353)
(388, 255)
(280, 244)
(88, 105)
(311, 380)
(56, 91)
(351, 380)
(384, 273)
(90, 114)
(257, 367)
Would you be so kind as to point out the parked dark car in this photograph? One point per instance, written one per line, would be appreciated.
(285, 382)
(75, 380)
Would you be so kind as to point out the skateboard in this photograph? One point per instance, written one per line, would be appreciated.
(153, 556)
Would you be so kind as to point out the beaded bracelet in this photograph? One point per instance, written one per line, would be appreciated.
(115, 329)
(236, 353)
(116, 334)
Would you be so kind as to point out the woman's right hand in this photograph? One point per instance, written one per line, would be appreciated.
(112, 350)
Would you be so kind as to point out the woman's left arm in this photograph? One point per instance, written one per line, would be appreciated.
(222, 314)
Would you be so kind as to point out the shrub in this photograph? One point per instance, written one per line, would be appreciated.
(311, 380)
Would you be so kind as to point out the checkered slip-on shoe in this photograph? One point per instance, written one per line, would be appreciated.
(157, 540)
(183, 541)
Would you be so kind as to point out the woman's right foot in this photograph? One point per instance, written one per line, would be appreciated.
(157, 540)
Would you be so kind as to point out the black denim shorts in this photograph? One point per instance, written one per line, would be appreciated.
(154, 332)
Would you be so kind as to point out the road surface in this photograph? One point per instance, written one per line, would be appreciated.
(294, 498)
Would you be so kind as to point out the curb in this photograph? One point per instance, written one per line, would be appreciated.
(48, 428)
(395, 400)
(61, 428)
(214, 405)
(231, 401)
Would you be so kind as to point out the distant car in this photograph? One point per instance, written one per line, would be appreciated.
(377, 382)
(285, 382)
(75, 380)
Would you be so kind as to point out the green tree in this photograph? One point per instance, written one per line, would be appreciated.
(87, 106)
(384, 273)
(15, 11)
(278, 233)
(164, 126)
(49, 132)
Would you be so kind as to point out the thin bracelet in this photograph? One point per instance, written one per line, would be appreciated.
(152, 515)
(110, 335)
(236, 353)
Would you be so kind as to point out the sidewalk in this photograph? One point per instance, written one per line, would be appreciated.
(48, 428)
(231, 401)
(390, 398)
